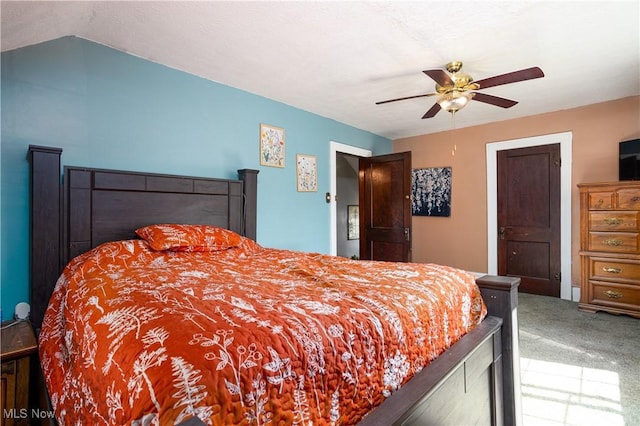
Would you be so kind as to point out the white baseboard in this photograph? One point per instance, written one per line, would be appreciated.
(575, 294)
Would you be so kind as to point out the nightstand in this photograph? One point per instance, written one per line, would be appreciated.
(18, 343)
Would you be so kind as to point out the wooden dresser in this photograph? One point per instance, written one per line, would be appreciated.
(610, 247)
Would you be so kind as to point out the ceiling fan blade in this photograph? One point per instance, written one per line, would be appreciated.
(441, 77)
(493, 100)
(512, 77)
(433, 111)
(407, 97)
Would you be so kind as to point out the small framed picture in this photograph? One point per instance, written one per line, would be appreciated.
(307, 173)
(353, 222)
(272, 145)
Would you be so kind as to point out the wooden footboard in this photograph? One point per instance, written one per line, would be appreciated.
(477, 381)
(500, 294)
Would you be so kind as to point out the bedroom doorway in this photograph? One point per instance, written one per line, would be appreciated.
(385, 207)
(341, 192)
(347, 217)
(567, 292)
(529, 217)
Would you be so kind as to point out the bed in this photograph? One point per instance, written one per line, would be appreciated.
(178, 316)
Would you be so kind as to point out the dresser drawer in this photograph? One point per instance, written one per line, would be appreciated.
(624, 296)
(614, 242)
(628, 199)
(601, 200)
(619, 270)
(614, 221)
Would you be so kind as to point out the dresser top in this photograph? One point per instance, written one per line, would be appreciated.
(618, 184)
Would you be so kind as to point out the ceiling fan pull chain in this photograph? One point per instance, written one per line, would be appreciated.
(453, 132)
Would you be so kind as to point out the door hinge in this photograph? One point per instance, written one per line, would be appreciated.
(558, 162)
(558, 276)
(407, 234)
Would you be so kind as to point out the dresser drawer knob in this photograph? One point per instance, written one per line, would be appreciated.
(635, 199)
(612, 221)
(612, 270)
(613, 242)
(613, 294)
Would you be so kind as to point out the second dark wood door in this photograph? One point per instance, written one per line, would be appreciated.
(529, 217)
(385, 207)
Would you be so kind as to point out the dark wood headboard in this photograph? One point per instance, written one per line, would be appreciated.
(94, 206)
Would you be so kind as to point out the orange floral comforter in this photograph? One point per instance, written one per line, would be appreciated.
(247, 335)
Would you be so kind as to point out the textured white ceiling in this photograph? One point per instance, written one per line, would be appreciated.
(337, 58)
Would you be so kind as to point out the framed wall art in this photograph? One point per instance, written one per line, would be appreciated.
(306, 173)
(431, 189)
(353, 222)
(272, 146)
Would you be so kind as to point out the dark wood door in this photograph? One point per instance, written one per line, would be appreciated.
(529, 217)
(385, 207)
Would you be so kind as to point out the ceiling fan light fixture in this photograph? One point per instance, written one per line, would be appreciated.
(454, 89)
(454, 101)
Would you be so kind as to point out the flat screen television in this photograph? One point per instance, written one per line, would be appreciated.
(629, 166)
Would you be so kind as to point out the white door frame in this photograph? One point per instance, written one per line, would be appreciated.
(565, 141)
(334, 148)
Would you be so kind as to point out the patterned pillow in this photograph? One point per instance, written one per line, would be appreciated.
(176, 237)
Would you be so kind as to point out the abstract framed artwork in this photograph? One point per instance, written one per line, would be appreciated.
(431, 189)
(272, 146)
(306, 173)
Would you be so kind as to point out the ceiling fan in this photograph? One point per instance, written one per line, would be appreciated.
(455, 88)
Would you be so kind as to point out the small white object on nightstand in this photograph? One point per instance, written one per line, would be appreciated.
(22, 311)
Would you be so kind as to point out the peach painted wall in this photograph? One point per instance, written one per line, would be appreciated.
(461, 240)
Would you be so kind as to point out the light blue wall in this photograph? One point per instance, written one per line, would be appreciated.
(108, 109)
